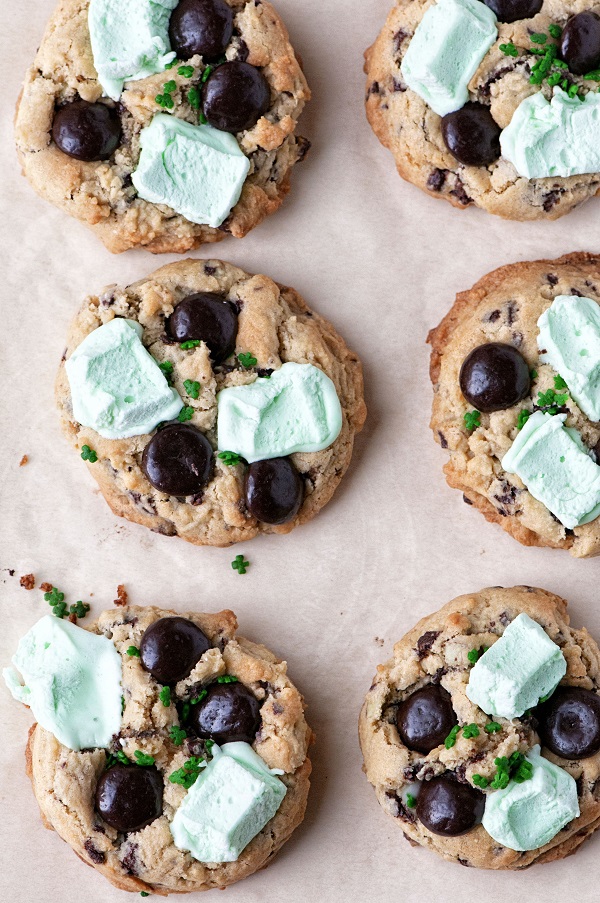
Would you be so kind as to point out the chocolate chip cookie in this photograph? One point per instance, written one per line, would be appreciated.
(216, 339)
(233, 72)
(444, 769)
(189, 682)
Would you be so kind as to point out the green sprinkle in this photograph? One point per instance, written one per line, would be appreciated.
(229, 458)
(165, 100)
(548, 695)
(193, 97)
(80, 609)
(113, 758)
(472, 420)
(493, 727)
(523, 418)
(167, 368)
(191, 343)
(186, 71)
(411, 801)
(54, 596)
(185, 711)
(188, 773)
(177, 735)
(209, 745)
(473, 655)
(165, 696)
(593, 76)
(88, 454)
(560, 64)
(551, 400)
(227, 679)
(239, 564)
(480, 781)
(206, 74)
(573, 90)
(564, 84)
(562, 459)
(539, 38)
(450, 740)
(554, 79)
(144, 893)
(247, 360)
(555, 31)
(170, 87)
(142, 758)
(171, 65)
(509, 49)
(185, 414)
(533, 374)
(134, 652)
(470, 730)
(202, 119)
(201, 695)
(192, 387)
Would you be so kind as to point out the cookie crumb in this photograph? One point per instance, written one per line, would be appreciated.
(379, 640)
(122, 597)
(24, 460)
(46, 587)
(73, 618)
(27, 581)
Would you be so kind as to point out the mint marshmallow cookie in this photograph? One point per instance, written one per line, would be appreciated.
(481, 736)
(209, 403)
(515, 368)
(493, 104)
(170, 753)
(163, 123)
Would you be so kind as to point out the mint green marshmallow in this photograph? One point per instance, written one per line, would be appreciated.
(295, 410)
(117, 388)
(446, 50)
(230, 803)
(195, 169)
(514, 673)
(130, 40)
(71, 682)
(556, 468)
(569, 340)
(526, 816)
(560, 137)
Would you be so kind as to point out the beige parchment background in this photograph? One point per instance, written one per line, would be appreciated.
(383, 262)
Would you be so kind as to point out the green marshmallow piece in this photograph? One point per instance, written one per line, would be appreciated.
(117, 388)
(130, 40)
(72, 682)
(296, 410)
(445, 52)
(569, 340)
(196, 170)
(556, 468)
(560, 137)
(230, 803)
(514, 673)
(526, 816)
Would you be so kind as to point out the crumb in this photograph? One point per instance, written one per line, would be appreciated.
(11, 572)
(73, 618)
(46, 587)
(27, 581)
(24, 460)
(379, 641)
(121, 595)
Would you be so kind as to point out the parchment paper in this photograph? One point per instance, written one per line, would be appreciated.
(383, 262)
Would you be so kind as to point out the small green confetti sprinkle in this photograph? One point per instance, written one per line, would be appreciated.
(167, 368)
(559, 383)
(555, 31)
(593, 76)
(227, 679)
(80, 609)
(171, 65)
(411, 801)
(230, 458)
(185, 414)
(523, 418)
(509, 49)
(202, 119)
(201, 695)
(539, 38)
(192, 387)
(493, 727)
(470, 730)
(247, 360)
(191, 343)
(134, 652)
(573, 90)
(473, 655)
(144, 893)
(165, 696)
(177, 735)
(480, 781)
(186, 71)
(88, 454)
(188, 773)
(450, 740)
(533, 374)
(142, 758)
(239, 564)
(206, 73)
(193, 97)
(472, 420)
(170, 87)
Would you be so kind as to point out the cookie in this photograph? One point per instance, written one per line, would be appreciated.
(269, 400)
(223, 99)
(500, 317)
(491, 72)
(238, 692)
(440, 765)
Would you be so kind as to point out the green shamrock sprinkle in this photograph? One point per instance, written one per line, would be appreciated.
(192, 387)
(470, 731)
(177, 735)
(472, 420)
(411, 801)
(227, 679)
(492, 728)
(88, 454)
(142, 758)
(480, 781)
(509, 49)
(186, 71)
(134, 652)
(185, 414)
(165, 696)
(247, 360)
(239, 564)
(191, 343)
(229, 458)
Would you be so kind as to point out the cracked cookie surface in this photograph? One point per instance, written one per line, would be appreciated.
(504, 307)
(101, 194)
(436, 652)
(276, 326)
(64, 781)
(412, 131)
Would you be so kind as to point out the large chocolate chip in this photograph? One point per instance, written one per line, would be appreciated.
(448, 808)
(178, 460)
(425, 718)
(274, 490)
(208, 317)
(171, 647)
(472, 135)
(201, 27)
(569, 723)
(229, 712)
(494, 377)
(580, 43)
(235, 96)
(87, 131)
(512, 10)
(129, 797)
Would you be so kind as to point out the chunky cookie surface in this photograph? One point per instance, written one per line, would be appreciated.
(273, 327)
(438, 655)
(100, 192)
(504, 307)
(504, 78)
(65, 782)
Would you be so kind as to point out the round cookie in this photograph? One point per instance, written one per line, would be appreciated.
(414, 133)
(436, 654)
(65, 782)
(504, 308)
(274, 326)
(100, 192)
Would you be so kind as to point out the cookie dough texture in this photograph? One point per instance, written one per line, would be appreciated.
(436, 651)
(101, 194)
(411, 130)
(64, 781)
(276, 326)
(505, 306)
